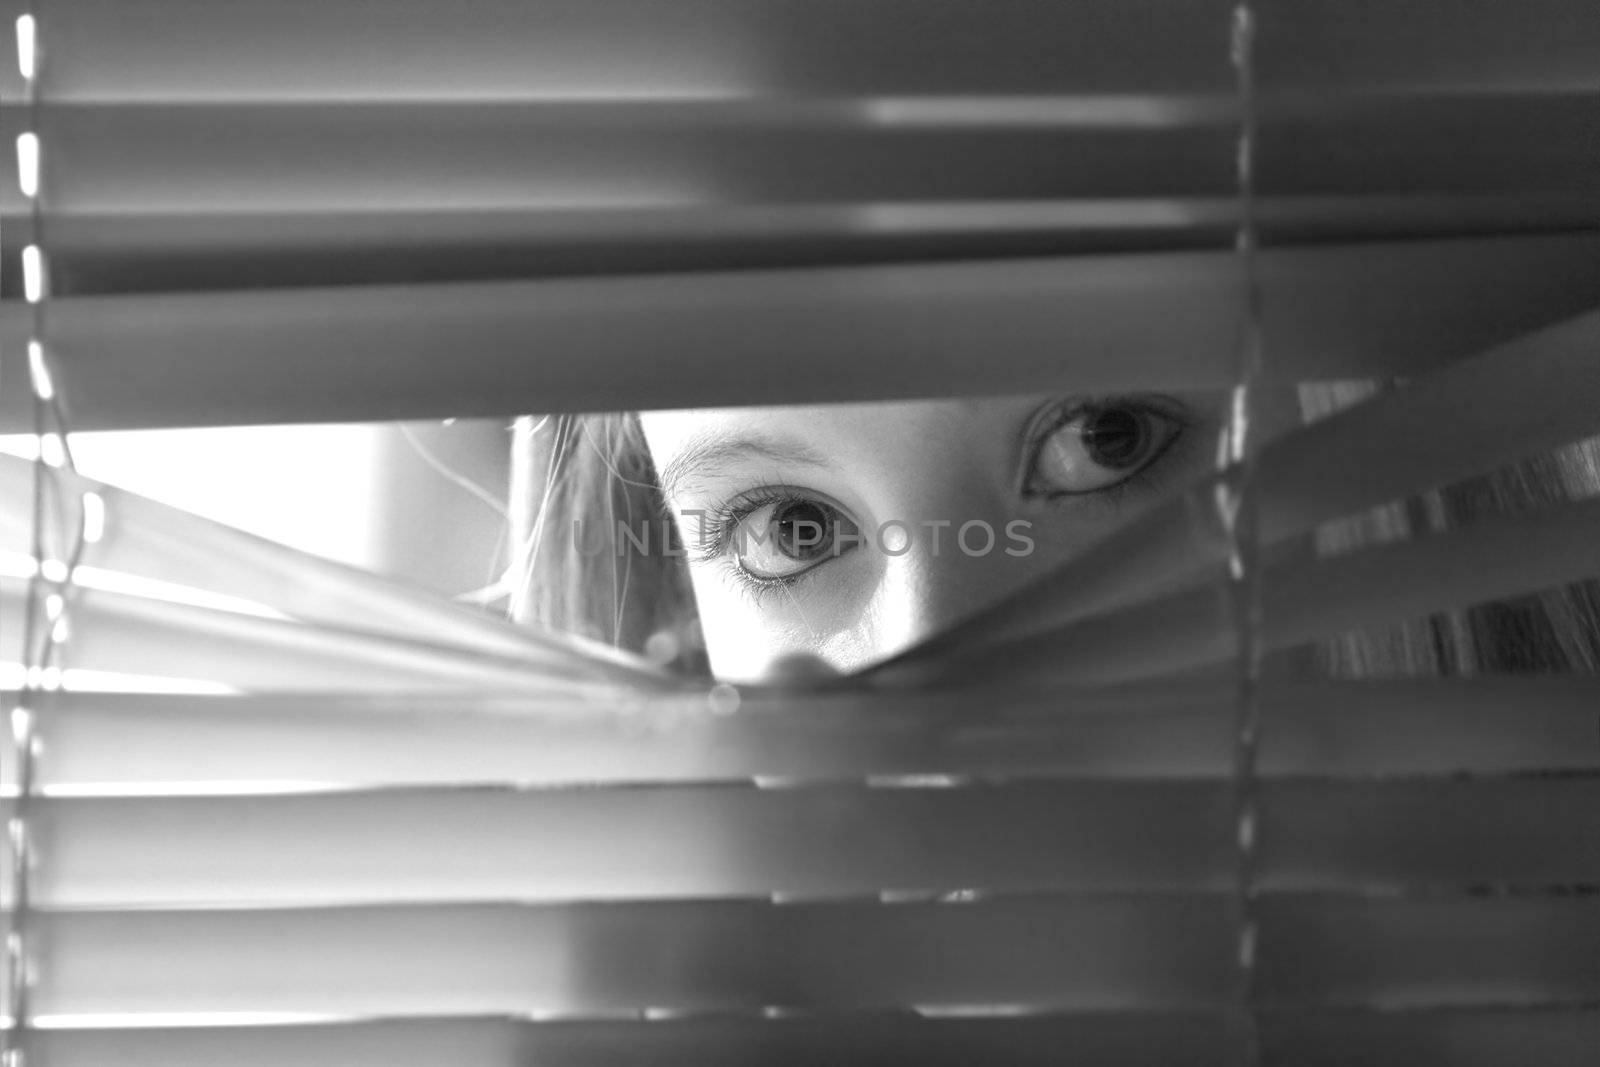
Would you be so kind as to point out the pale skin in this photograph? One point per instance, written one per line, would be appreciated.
(784, 510)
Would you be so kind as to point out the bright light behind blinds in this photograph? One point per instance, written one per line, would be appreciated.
(309, 487)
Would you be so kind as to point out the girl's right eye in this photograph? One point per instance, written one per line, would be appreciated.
(783, 539)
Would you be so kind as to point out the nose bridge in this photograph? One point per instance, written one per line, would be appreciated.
(954, 502)
(946, 574)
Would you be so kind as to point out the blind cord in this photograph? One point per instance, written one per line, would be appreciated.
(51, 589)
(1237, 504)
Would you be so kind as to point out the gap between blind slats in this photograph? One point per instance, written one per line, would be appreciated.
(1539, 392)
(374, 352)
(1061, 953)
(99, 254)
(691, 841)
(337, 49)
(1547, 1036)
(114, 743)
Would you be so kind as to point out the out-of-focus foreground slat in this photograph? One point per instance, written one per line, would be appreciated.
(1151, 951)
(184, 743)
(860, 332)
(687, 840)
(1555, 1037)
(374, 827)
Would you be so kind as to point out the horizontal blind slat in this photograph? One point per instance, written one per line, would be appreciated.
(1062, 953)
(1490, 1037)
(1429, 951)
(1391, 836)
(1434, 47)
(675, 842)
(1489, 560)
(460, 157)
(1128, 1039)
(143, 743)
(138, 635)
(425, 156)
(372, 352)
(336, 49)
(153, 541)
(834, 841)
(99, 254)
(573, 48)
(1096, 953)
(1539, 392)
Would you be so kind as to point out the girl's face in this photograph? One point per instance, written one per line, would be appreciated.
(848, 532)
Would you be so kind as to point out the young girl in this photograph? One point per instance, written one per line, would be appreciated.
(837, 536)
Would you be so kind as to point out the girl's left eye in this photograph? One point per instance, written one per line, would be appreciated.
(1098, 447)
(785, 538)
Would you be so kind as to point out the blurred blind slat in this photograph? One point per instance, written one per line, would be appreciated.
(862, 332)
(1160, 951)
(1553, 1037)
(1538, 392)
(184, 743)
(141, 634)
(816, 841)
(1164, 950)
(422, 836)
(1143, 1038)
(1188, 629)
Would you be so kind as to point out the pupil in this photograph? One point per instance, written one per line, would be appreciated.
(802, 529)
(1115, 438)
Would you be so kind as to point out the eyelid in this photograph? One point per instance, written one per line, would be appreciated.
(726, 515)
(718, 518)
(1054, 416)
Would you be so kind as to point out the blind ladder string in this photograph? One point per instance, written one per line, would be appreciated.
(51, 591)
(1237, 508)
(24, 740)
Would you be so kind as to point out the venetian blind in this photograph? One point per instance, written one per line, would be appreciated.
(1091, 825)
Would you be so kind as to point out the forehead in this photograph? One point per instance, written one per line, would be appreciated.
(833, 427)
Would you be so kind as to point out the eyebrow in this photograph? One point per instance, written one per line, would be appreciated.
(710, 453)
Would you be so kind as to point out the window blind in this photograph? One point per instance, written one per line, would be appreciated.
(336, 199)
(385, 829)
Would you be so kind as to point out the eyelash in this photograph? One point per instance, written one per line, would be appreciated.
(1145, 480)
(724, 519)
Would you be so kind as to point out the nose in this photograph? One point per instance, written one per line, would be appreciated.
(946, 575)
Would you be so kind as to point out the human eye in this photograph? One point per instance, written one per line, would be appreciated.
(776, 534)
(1095, 446)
